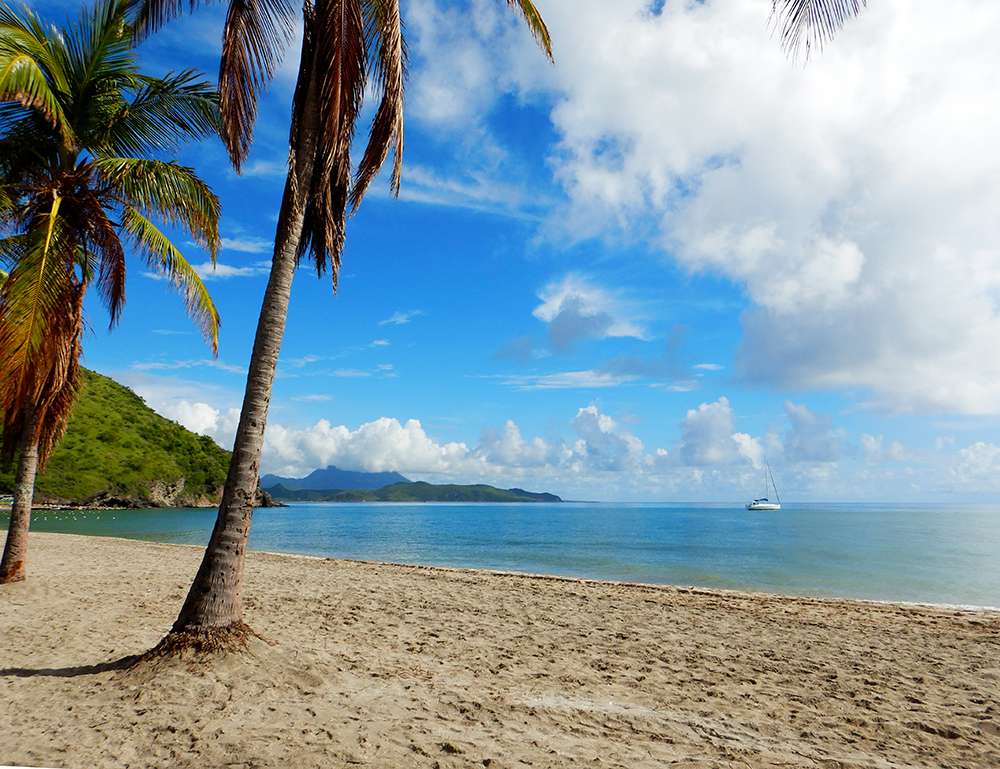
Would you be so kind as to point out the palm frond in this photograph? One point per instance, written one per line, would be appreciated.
(164, 257)
(148, 16)
(807, 24)
(385, 37)
(536, 24)
(253, 42)
(164, 113)
(32, 296)
(23, 77)
(43, 401)
(340, 61)
(166, 190)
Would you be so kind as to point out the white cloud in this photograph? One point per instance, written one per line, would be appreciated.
(268, 169)
(854, 199)
(508, 447)
(380, 343)
(875, 449)
(568, 380)
(576, 308)
(400, 318)
(709, 437)
(248, 245)
(708, 366)
(603, 444)
(175, 365)
(222, 271)
(811, 437)
(313, 398)
(977, 467)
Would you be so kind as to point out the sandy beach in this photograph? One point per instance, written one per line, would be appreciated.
(373, 665)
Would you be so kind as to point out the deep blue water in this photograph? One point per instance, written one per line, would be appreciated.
(889, 552)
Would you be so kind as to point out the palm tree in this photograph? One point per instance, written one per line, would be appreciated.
(346, 45)
(78, 126)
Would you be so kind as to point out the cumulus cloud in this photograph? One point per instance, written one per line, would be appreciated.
(603, 444)
(709, 437)
(577, 308)
(806, 185)
(811, 437)
(875, 449)
(978, 467)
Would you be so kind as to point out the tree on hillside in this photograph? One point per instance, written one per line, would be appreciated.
(347, 44)
(79, 126)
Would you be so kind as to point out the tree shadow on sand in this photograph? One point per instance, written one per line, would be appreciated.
(124, 663)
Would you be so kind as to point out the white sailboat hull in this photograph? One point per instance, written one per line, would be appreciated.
(763, 506)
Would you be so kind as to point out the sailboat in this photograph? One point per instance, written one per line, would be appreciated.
(763, 503)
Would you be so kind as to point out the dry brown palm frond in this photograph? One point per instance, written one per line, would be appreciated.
(45, 398)
(807, 24)
(535, 23)
(384, 33)
(339, 69)
(253, 41)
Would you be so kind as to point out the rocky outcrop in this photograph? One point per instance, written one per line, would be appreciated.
(158, 494)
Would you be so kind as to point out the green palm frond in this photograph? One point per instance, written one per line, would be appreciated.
(12, 249)
(31, 295)
(30, 67)
(168, 191)
(164, 257)
(165, 113)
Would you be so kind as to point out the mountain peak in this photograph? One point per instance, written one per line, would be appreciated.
(332, 477)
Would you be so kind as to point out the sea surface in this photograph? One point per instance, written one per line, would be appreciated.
(921, 553)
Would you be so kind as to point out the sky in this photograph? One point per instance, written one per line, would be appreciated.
(635, 274)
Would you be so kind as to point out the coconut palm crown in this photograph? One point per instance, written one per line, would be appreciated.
(81, 180)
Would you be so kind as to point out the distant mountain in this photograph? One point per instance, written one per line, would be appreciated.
(334, 478)
(411, 492)
(118, 452)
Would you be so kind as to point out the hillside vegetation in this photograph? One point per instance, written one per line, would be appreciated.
(419, 491)
(118, 450)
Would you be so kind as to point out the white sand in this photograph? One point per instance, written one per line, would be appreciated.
(390, 666)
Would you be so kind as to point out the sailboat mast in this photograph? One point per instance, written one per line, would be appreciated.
(776, 494)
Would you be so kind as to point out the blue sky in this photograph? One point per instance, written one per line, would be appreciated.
(630, 275)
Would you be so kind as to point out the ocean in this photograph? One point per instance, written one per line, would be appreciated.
(920, 553)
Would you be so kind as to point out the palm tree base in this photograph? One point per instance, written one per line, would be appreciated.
(14, 574)
(205, 642)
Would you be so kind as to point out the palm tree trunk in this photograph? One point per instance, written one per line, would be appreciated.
(15, 551)
(211, 618)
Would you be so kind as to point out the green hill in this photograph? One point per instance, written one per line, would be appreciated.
(419, 491)
(117, 450)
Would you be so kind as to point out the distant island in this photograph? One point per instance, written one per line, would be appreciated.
(410, 491)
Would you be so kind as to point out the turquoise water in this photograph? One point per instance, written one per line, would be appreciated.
(886, 552)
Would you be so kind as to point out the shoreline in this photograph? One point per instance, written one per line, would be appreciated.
(542, 576)
(384, 666)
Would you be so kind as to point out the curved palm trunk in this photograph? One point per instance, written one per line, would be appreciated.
(15, 551)
(212, 615)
